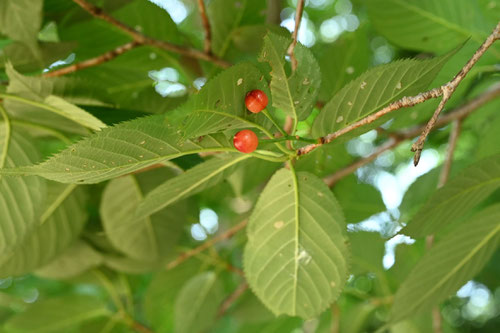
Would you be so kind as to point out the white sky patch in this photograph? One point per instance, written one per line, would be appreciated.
(175, 8)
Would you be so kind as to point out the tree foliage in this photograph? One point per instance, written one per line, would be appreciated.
(124, 205)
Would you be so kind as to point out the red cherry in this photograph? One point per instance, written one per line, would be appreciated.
(245, 141)
(256, 101)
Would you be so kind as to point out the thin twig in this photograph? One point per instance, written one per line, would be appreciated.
(332, 179)
(398, 137)
(207, 46)
(402, 103)
(110, 55)
(452, 144)
(232, 298)
(145, 40)
(335, 325)
(188, 254)
(445, 90)
(140, 328)
(295, 33)
(449, 88)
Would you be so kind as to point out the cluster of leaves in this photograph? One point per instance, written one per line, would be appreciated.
(102, 178)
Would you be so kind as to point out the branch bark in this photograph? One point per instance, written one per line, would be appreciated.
(188, 254)
(446, 90)
(232, 298)
(145, 40)
(295, 33)
(449, 88)
(110, 55)
(397, 138)
(207, 46)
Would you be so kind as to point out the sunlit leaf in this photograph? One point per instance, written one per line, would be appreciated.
(296, 257)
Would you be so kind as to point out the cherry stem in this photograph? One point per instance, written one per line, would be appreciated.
(291, 138)
(266, 113)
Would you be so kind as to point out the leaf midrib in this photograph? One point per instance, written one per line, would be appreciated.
(296, 258)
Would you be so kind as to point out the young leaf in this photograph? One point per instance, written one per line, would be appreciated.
(147, 238)
(375, 89)
(52, 233)
(21, 19)
(78, 258)
(462, 193)
(31, 99)
(454, 260)
(59, 314)
(197, 303)
(72, 112)
(220, 104)
(21, 198)
(428, 25)
(122, 149)
(296, 256)
(193, 181)
(294, 94)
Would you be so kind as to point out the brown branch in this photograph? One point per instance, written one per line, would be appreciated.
(145, 40)
(207, 46)
(110, 55)
(402, 103)
(226, 235)
(295, 33)
(397, 138)
(232, 298)
(452, 144)
(445, 90)
(138, 327)
(335, 177)
(449, 88)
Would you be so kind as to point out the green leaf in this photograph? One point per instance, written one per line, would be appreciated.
(368, 250)
(72, 112)
(451, 202)
(488, 136)
(428, 25)
(296, 257)
(375, 89)
(454, 260)
(30, 99)
(122, 149)
(359, 201)
(342, 61)
(295, 94)
(224, 16)
(148, 238)
(162, 292)
(21, 19)
(52, 232)
(21, 199)
(197, 303)
(78, 258)
(195, 180)
(220, 104)
(57, 314)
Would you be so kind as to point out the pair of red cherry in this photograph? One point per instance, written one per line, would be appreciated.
(246, 140)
